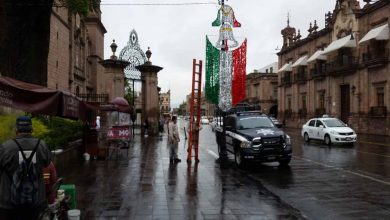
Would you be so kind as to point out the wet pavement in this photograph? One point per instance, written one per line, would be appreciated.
(322, 182)
(147, 186)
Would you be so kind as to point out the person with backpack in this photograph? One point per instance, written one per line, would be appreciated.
(22, 187)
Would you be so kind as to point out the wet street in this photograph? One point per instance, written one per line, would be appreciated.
(337, 182)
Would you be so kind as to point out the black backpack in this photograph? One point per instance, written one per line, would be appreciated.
(25, 180)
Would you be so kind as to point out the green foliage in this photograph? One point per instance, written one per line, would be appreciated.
(129, 92)
(7, 127)
(60, 131)
(56, 132)
(82, 6)
(40, 130)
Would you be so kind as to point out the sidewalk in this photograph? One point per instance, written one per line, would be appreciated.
(147, 186)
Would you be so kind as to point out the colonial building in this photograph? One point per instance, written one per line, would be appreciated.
(206, 108)
(165, 102)
(261, 89)
(341, 70)
(76, 47)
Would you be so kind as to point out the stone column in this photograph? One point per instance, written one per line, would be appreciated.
(113, 81)
(150, 104)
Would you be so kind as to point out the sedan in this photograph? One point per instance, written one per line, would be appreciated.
(330, 130)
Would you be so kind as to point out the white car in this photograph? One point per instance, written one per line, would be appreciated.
(204, 121)
(330, 130)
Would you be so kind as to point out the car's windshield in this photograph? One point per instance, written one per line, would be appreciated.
(334, 122)
(254, 122)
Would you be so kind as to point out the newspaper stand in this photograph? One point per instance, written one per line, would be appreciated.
(119, 133)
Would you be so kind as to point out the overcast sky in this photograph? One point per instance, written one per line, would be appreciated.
(176, 34)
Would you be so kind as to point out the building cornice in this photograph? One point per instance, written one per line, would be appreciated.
(97, 21)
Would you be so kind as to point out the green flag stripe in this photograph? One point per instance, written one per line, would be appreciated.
(212, 72)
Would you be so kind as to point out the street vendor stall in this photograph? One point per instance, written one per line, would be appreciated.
(118, 133)
(114, 134)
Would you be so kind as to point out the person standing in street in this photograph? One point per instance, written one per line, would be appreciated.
(173, 140)
(22, 186)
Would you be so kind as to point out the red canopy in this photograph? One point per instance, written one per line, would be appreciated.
(41, 100)
(28, 97)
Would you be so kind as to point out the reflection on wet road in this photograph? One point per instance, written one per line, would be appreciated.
(322, 182)
(147, 186)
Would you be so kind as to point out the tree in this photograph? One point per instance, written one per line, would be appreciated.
(25, 35)
(129, 96)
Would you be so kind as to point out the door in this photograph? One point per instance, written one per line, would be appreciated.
(230, 128)
(344, 103)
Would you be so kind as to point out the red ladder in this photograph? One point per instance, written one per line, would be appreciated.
(196, 95)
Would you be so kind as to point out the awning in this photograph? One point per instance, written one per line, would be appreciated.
(347, 41)
(318, 55)
(29, 97)
(41, 100)
(302, 61)
(378, 33)
(286, 67)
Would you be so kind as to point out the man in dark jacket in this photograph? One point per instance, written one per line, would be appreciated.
(10, 157)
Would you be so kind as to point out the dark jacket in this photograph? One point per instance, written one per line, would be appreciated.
(9, 159)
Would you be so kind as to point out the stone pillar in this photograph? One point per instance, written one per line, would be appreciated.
(113, 81)
(150, 102)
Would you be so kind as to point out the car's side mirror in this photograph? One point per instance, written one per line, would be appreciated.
(321, 126)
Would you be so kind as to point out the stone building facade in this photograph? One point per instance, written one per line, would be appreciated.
(261, 88)
(76, 47)
(165, 102)
(341, 70)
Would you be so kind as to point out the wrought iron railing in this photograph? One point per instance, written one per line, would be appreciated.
(300, 76)
(375, 57)
(102, 98)
(342, 64)
(378, 111)
(286, 80)
(318, 71)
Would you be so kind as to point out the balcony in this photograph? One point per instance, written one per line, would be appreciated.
(318, 72)
(300, 77)
(378, 111)
(342, 65)
(375, 58)
(319, 112)
(286, 80)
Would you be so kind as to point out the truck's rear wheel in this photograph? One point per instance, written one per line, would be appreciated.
(238, 158)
